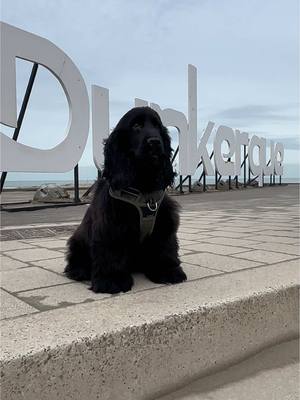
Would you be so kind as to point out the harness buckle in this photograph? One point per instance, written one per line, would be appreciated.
(152, 206)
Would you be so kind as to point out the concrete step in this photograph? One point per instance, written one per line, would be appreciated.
(270, 374)
(146, 344)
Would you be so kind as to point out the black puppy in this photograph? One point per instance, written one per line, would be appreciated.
(131, 223)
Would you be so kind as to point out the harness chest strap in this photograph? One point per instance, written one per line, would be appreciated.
(147, 205)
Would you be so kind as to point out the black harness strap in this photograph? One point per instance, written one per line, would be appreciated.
(147, 205)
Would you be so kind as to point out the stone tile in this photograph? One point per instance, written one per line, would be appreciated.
(188, 230)
(183, 251)
(190, 236)
(234, 235)
(14, 245)
(273, 239)
(231, 242)
(60, 296)
(54, 244)
(284, 233)
(183, 243)
(142, 283)
(197, 272)
(13, 307)
(8, 264)
(278, 248)
(33, 254)
(221, 263)
(264, 256)
(30, 278)
(54, 264)
(214, 248)
(234, 228)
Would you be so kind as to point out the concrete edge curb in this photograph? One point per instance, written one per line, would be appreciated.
(144, 357)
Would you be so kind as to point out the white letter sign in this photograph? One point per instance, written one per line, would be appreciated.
(19, 157)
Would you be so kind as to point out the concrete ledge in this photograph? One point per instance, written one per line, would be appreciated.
(142, 345)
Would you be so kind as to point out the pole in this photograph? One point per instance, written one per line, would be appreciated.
(245, 167)
(21, 115)
(229, 178)
(76, 185)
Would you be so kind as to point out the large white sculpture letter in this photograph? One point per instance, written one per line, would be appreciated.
(19, 157)
(279, 149)
(224, 133)
(257, 169)
(100, 122)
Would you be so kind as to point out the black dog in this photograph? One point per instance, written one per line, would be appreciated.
(131, 223)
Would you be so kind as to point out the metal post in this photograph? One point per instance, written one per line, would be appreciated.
(237, 181)
(271, 179)
(180, 184)
(21, 115)
(249, 171)
(76, 185)
(190, 183)
(245, 167)
(216, 180)
(204, 181)
(274, 179)
(279, 179)
(229, 178)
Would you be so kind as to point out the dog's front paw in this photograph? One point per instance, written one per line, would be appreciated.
(172, 275)
(112, 285)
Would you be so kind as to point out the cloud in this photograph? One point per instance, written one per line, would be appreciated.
(260, 113)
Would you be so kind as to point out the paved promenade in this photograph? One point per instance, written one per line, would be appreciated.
(235, 247)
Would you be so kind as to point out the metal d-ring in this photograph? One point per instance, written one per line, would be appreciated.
(150, 206)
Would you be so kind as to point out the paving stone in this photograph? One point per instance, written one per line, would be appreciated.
(142, 283)
(13, 307)
(183, 251)
(8, 264)
(221, 263)
(60, 296)
(273, 239)
(264, 256)
(279, 248)
(197, 272)
(183, 243)
(54, 264)
(33, 254)
(229, 234)
(54, 244)
(30, 278)
(14, 245)
(188, 230)
(231, 242)
(233, 228)
(214, 248)
(285, 233)
(190, 236)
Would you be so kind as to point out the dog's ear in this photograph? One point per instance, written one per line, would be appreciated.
(118, 168)
(168, 172)
(167, 142)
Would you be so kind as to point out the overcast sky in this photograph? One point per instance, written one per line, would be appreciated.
(246, 52)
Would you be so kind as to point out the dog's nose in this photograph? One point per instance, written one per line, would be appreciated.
(154, 143)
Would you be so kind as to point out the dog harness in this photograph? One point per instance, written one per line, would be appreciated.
(147, 205)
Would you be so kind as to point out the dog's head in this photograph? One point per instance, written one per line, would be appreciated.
(138, 152)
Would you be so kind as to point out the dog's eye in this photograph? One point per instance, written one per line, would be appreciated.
(137, 125)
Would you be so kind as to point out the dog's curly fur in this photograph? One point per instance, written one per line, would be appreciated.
(106, 247)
